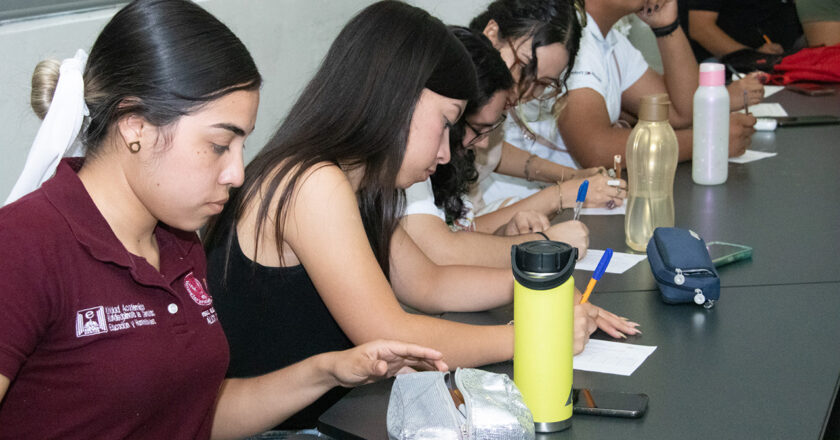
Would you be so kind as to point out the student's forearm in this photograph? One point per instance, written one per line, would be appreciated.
(680, 74)
(250, 406)
(469, 289)
(610, 141)
(462, 345)
(714, 39)
(475, 249)
(514, 160)
(685, 138)
(546, 201)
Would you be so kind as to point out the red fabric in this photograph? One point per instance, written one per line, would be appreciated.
(819, 64)
(96, 342)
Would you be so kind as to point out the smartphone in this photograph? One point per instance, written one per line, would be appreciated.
(810, 89)
(608, 403)
(792, 121)
(725, 253)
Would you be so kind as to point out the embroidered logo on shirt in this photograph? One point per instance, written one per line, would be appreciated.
(196, 290)
(91, 322)
(104, 319)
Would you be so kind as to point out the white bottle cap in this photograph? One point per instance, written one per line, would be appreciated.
(712, 74)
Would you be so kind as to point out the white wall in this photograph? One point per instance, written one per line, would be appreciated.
(287, 38)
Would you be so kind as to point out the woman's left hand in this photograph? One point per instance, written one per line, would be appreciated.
(526, 222)
(380, 359)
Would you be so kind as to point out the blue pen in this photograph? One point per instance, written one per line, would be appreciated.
(581, 197)
(599, 272)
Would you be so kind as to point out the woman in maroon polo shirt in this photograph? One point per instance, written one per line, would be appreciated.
(106, 326)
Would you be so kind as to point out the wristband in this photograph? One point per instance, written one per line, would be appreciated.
(664, 31)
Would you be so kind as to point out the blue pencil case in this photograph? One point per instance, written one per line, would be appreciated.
(682, 267)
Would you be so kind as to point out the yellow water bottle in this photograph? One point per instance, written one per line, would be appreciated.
(543, 313)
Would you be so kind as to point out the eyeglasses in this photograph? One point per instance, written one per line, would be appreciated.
(529, 87)
(479, 135)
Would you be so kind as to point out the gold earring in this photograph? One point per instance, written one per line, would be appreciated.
(134, 147)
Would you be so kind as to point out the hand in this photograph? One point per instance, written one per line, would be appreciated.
(612, 324)
(601, 194)
(380, 359)
(658, 13)
(524, 222)
(575, 233)
(771, 48)
(753, 84)
(584, 173)
(740, 133)
(584, 325)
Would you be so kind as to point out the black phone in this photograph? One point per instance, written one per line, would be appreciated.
(608, 403)
(811, 89)
(791, 121)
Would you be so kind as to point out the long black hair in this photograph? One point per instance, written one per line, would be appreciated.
(547, 21)
(355, 112)
(451, 181)
(159, 59)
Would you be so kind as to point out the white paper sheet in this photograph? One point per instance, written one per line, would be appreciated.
(621, 210)
(751, 156)
(612, 357)
(767, 110)
(772, 90)
(619, 263)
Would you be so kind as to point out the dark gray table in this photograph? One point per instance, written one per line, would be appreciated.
(786, 207)
(762, 364)
(765, 362)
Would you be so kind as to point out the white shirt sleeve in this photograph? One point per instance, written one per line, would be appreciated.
(421, 200)
(630, 60)
(588, 71)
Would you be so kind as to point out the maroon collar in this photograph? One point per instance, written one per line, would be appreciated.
(68, 195)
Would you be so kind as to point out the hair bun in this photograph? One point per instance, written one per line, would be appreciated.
(44, 82)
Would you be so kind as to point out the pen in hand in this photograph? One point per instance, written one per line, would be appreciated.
(580, 198)
(746, 103)
(596, 276)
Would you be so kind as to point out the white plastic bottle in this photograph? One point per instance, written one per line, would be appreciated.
(711, 127)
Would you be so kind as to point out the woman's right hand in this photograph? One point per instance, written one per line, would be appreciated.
(584, 325)
(602, 194)
(573, 232)
(771, 48)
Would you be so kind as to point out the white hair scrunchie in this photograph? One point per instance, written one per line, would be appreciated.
(58, 135)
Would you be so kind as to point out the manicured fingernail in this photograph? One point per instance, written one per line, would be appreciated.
(649, 11)
(656, 8)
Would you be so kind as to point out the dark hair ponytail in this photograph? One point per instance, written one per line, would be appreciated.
(161, 59)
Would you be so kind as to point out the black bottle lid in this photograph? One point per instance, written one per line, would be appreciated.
(542, 264)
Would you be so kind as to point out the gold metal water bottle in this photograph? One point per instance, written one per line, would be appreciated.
(543, 313)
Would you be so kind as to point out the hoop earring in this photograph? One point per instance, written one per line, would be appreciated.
(134, 147)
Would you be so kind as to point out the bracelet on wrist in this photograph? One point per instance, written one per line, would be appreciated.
(560, 191)
(664, 31)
